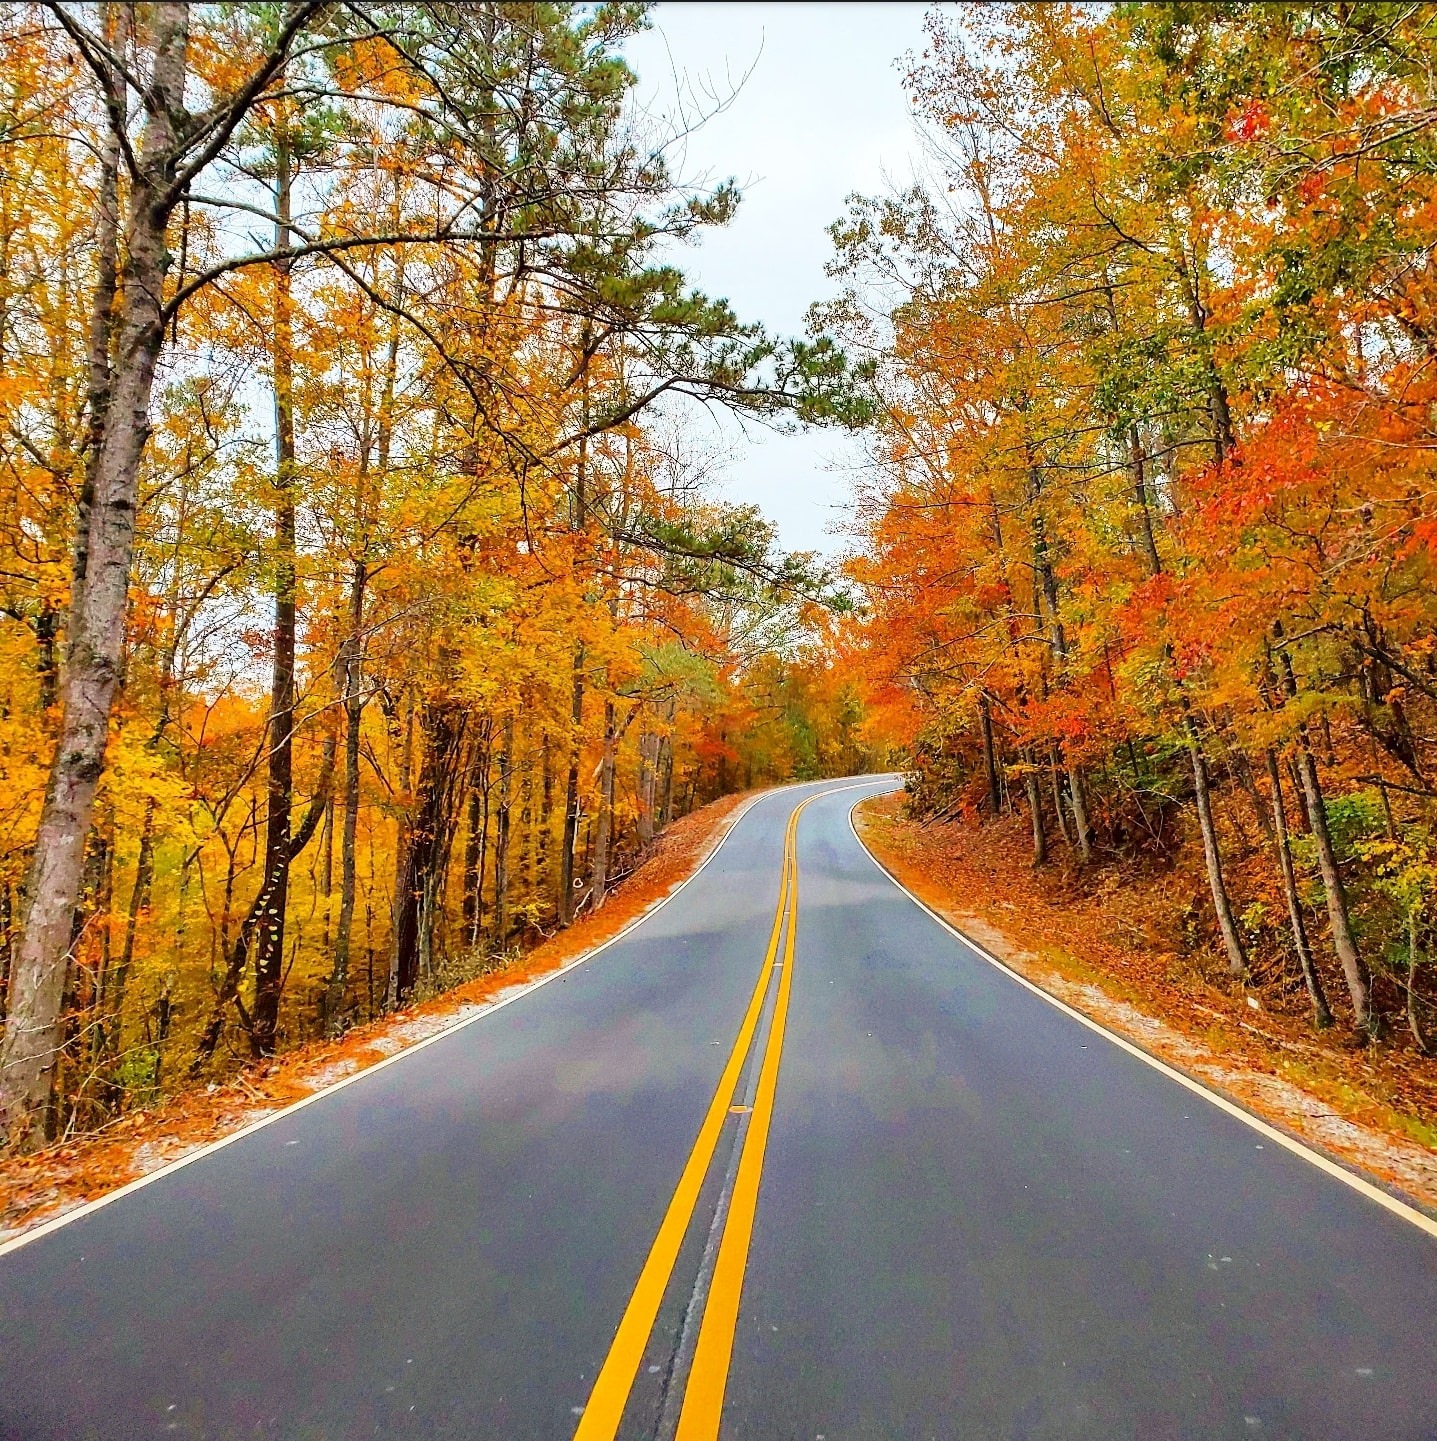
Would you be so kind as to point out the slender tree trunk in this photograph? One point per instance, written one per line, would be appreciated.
(1344, 943)
(7, 941)
(85, 1005)
(526, 819)
(29, 1051)
(1146, 533)
(1046, 586)
(1354, 968)
(113, 1023)
(486, 783)
(269, 930)
(1321, 1012)
(1239, 767)
(1080, 814)
(666, 768)
(404, 821)
(476, 840)
(326, 875)
(501, 837)
(237, 960)
(1414, 955)
(666, 765)
(1055, 770)
(351, 665)
(1212, 855)
(1192, 269)
(1035, 809)
(546, 811)
(648, 756)
(990, 758)
(473, 888)
(351, 661)
(604, 832)
(571, 799)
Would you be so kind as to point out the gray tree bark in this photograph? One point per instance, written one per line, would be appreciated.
(502, 833)
(604, 831)
(1035, 809)
(269, 930)
(351, 666)
(1321, 1012)
(32, 1031)
(990, 756)
(1212, 855)
(1344, 943)
(1354, 968)
(571, 799)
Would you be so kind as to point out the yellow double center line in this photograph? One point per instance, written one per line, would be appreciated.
(703, 1397)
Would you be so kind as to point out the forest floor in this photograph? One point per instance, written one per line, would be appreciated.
(45, 1184)
(1105, 944)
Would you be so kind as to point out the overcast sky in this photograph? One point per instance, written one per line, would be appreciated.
(821, 114)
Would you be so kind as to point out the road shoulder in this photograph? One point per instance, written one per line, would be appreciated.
(1313, 1092)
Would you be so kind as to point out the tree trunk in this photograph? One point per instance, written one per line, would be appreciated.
(990, 757)
(426, 845)
(1321, 1012)
(476, 840)
(269, 930)
(1414, 954)
(238, 959)
(326, 876)
(546, 812)
(29, 1051)
(1191, 270)
(1146, 534)
(501, 837)
(351, 665)
(666, 793)
(1035, 808)
(571, 799)
(648, 777)
(471, 901)
(1354, 968)
(108, 1041)
(526, 819)
(666, 770)
(1055, 770)
(1344, 943)
(7, 941)
(1212, 855)
(1080, 814)
(604, 832)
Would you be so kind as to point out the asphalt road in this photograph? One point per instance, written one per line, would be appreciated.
(976, 1218)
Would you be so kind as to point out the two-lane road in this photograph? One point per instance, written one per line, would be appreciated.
(790, 1159)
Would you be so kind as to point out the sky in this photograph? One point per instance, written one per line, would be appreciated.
(819, 114)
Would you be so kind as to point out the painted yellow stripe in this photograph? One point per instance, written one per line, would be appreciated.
(703, 1397)
(605, 1407)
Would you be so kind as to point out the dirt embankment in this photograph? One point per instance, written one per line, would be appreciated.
(1097, 941)
(38, 1187)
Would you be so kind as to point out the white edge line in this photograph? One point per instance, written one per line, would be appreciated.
(210, 1147)
(1420, 1219)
